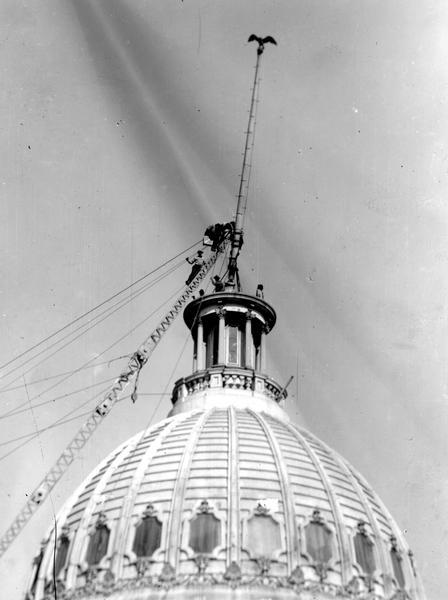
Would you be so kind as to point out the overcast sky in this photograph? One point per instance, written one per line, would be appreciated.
(122, 130)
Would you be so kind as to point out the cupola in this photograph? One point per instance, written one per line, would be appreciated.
(229, 332)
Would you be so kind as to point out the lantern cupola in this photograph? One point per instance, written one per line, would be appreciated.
(229, 334)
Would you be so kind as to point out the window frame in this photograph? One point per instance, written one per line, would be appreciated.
(204, 506)
(261, 511)
(149, 513)
(317, 518)
(361, 534)
(100, 523)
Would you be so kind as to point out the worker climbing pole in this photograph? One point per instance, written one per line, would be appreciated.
(233, 279)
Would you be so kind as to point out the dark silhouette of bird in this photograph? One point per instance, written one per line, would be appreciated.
(261, 41)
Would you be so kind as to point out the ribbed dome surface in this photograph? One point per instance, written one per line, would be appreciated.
(262, 483)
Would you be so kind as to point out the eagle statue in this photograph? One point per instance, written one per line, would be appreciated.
(261, 41)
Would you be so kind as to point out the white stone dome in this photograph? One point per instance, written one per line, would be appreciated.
(226, 498)
(262, 482)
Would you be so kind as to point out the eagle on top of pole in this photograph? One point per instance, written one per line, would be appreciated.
(261, 41)
(233, 280)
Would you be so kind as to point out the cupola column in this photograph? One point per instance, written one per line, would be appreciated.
(262, 365)
(195, 353)
(230, 331)
(249, 342)
(200, 346)
(221, 337)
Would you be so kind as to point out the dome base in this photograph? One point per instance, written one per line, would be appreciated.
(211, 587)
(225, 502)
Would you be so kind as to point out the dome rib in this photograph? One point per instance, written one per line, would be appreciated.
(60, 521)
(63, 516)
(125, 521)
(234, 527)
(174, 528)
(384, 561)
(233, 459)
(76, 556)
(291, 529)
(343, 542)
(409, 573)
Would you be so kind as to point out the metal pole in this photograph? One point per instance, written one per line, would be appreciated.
(237, 238)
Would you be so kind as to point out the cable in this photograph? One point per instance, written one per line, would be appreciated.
(88, 326)
(55, 424)
(34, 434)
(58, 421)
(144, 432)
(106, 350)
(36, 381)
(43, 463)
(136, 362)
(149, 422)
(124, 303)
(97, 306)
(62, 420)
(20, 409)
(114, 343)
(5, 415)
(88, 412)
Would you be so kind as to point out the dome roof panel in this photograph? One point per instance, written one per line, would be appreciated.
(254, 484)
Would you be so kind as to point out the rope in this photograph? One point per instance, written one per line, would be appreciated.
(148, 425)
(75, 371)
(36, 381)
(55, 424)
(20, 408)
(164, 393)
(125, 289)
(136, 362)
(88, 326)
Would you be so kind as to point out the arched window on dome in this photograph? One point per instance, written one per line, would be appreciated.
(98, 542)
(148, 534)
(364, 550)
(62, 551)
(262, 533)
(319, 539)
(205, 530)
(397, 561)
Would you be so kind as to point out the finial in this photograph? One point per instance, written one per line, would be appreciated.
(261, 41)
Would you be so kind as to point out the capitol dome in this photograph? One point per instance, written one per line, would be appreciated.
(226, 498)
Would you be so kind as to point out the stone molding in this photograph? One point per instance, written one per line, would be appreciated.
(228, 378)
(103, 584)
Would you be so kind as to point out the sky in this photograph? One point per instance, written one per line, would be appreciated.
(122, 128)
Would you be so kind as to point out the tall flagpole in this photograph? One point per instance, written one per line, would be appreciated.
(232, 281)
